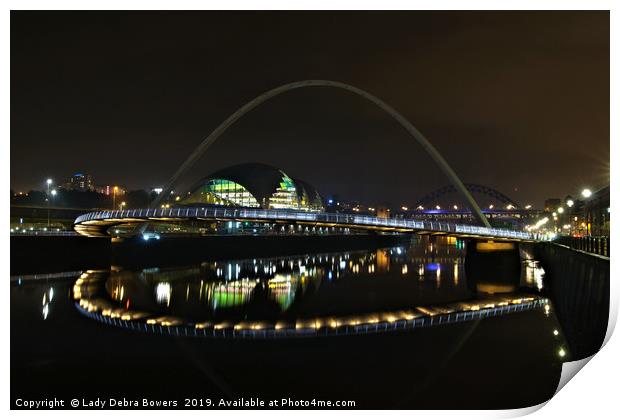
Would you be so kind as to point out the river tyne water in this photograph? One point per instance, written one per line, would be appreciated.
(401, 327)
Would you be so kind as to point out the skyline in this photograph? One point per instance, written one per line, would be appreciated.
(109, 100)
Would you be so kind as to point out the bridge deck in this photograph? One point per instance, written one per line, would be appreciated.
(97, 223)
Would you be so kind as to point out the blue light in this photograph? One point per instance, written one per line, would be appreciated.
(433, 266)
(330, 201)
(147, 236)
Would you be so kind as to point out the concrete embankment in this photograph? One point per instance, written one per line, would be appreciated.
(578, 285)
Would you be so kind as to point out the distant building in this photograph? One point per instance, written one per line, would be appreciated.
(597, 213)
(109, 189)
(80, 182)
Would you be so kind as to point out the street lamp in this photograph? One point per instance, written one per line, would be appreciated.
(570, 203)
(48, 207)
(114, 196)
(122, 205)
(49, 183)
(560, 210)
(586, 193)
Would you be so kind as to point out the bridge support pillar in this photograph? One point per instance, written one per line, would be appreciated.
(492, 266)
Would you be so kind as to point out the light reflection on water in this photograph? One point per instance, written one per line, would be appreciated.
(142, 316)
(309, 292)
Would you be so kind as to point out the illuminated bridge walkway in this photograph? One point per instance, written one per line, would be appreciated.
(99, 223)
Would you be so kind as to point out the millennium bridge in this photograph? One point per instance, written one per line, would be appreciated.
(98, 223)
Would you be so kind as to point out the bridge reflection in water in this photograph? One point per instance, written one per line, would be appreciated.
(508, 355)
(322, 294)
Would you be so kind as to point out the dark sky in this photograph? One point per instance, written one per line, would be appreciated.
(518, 101)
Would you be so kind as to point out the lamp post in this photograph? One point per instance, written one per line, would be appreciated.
(122, 205)
(114, 197)
(570, 203)
(49, 183)
(586, 193)
(48, 214)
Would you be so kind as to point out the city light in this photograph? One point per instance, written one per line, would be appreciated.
(586, 193)
(405, 208)
(570, 202)
(49, 181)
(438, 208)
(560, 210)
(510, 207)
(455, 207)
(540, 223)
(54, 192)
(491, 206)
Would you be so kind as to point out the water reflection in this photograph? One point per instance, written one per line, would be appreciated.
(392, 336)
(333, 293)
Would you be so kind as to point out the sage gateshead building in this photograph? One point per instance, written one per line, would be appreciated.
(254, 185)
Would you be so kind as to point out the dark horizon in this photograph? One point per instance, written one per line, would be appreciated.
(518, 101)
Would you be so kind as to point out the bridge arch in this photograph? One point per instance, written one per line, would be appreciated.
(417, 135)
(433, 196)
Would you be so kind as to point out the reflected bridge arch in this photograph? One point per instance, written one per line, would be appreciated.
(414, 132)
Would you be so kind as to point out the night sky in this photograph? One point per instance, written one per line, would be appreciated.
(518, 101)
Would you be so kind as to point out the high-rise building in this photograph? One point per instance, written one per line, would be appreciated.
(80, 182)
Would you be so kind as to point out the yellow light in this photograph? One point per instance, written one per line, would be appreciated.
(405, 208)
(562, 353)
(556, 332)
(560, 210)
(529, 206)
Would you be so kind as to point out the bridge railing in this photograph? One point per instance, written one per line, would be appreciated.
(599, 245)
(296, 216)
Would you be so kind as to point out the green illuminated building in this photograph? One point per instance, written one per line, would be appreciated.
(254, 185)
